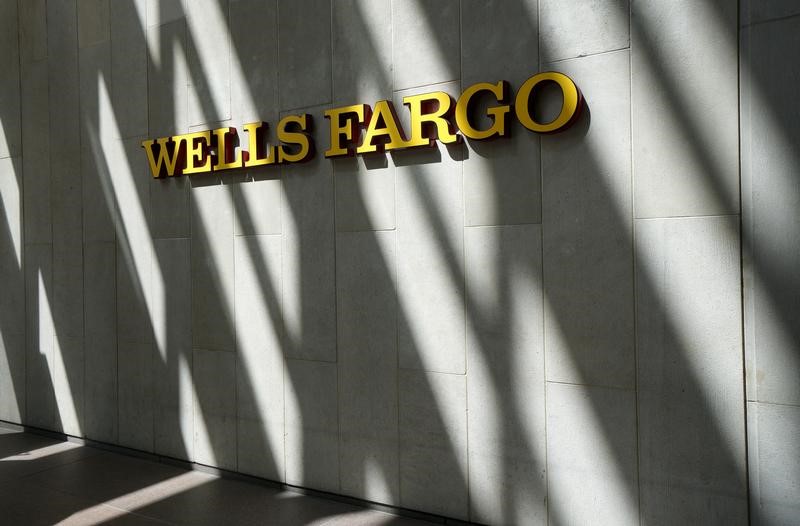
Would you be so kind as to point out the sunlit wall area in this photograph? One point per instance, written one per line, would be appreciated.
(529, 330)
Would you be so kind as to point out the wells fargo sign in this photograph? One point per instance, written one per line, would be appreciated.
(361, 129)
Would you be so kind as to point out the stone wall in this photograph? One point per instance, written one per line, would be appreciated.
(533, 329)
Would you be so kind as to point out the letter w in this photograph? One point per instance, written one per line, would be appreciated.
(167, 157)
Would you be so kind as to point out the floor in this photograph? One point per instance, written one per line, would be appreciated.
(47, 481)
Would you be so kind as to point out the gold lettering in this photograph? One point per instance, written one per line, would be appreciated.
(167, 156)
(301, 138)
(433, 110)
(198, 159)
(227, 155)
(359, 129)
(569, 108)
(383, 123)
(344, 123)
(256, 154)
(499, 114)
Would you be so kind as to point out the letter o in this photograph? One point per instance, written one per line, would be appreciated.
(570, 108)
